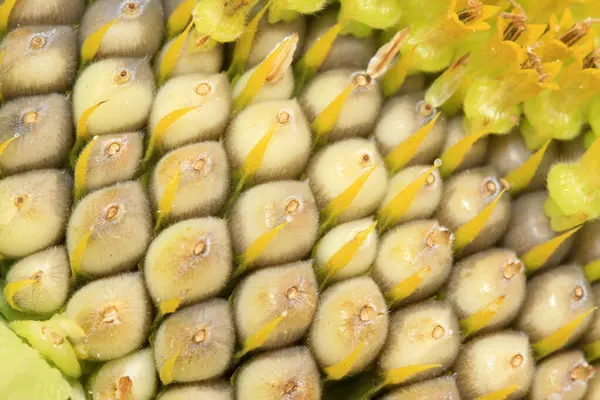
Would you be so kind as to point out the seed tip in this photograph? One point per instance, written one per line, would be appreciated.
(517, 360)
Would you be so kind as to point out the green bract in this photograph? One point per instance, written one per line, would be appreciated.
(481, 107)
(25, 375)
(222, 21)
(357, 29)
(546, 120)
(594, 115)
(429, 55)
(287, 10)
(573, 195)
(378, 14)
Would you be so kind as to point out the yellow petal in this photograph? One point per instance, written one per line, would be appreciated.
(2, 53)
(466, 233)
(563, 222)
(590, 161)
(501, 394)
(243, 45)
(481, 318)
(344, 200)
(478, 26)
(592, 271)
(169, 306)
(514, 52)
(520, 178)
(79, 252)
(567, 19)
(556, 340)
(380, 62)
(399, 375)
(452, 6)
(82, 130)
(538, 256)
(81, 134)
(488, 11)
(341, 369)
(395, 77)
(254, 159)
(452, 157)
(592, 351)
(345, 254)
(258, 78)
(180, 17)
(256, 249)
(531, 35)
(448, 83)
(81, 170)
(391, 212)
(553, 69)
(171, 56)
(11, 290)
(326, 120)
(165, 204)
(161, 129)
(406, 287)
(4, 145)
(520, 85)
(5, 10)
(312, 60)
(92, 43)
(166, 372)
(405, 151)
(588, 81)
(553, 24)
(259, 337)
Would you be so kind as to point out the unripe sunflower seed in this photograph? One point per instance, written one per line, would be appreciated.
(38, 60)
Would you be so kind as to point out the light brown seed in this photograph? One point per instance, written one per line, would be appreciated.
(283, 117)
(512, 269)
(203, 89)
(124, 388)
(200, 336)
(367, 313)
(37, 42)
(113, 149)
(430, 179)
(437, 237)
(578, 292)
(425, 109)
(131, 8)
(292, 293)
(292, 206)
(111, 315)
(20, 201)
(112, 212)
(200, 247)
(582, 372)
(438, 332)
(490, 188)
(31, 117)
(517, 360)
(361, 80)
(123, 76)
